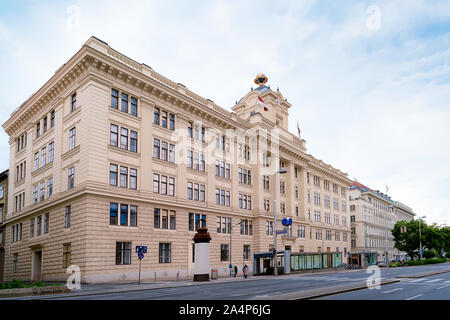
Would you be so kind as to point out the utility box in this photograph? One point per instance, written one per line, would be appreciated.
(214, 274)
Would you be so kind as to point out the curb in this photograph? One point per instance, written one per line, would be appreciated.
(424, 274)
(35, 291)
(316, 293)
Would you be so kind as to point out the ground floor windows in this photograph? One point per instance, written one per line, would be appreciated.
(123, 253)
(246, 252)
(224, 252)
(165, 252)
(67, 255)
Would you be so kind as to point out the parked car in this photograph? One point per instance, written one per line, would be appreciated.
(381, 264)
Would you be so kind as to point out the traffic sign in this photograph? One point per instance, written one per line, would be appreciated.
(281, 231)
(141, 249)
(140, 255)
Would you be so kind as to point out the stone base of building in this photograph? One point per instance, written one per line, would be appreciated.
(201, 277)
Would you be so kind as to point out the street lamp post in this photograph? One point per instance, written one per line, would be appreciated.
(420, 237)
(386, 260)
(231, 232)
(275, 266)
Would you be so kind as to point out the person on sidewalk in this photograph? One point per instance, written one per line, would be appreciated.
(235, 270)
(245, 271)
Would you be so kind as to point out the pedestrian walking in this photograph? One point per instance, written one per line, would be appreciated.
(245, 271)
(235, 270)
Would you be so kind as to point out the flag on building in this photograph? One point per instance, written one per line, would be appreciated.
(262, 103)
(387, 189)
(298, 129)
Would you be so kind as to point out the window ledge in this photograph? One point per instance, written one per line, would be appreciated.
(70, 153)
(127, 114)
(165, 162)
(72, 114)
(41, 169)
(43, 135)
(125, 152)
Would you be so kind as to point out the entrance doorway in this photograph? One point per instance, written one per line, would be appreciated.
(37, 266)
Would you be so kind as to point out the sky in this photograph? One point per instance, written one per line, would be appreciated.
(369, 81)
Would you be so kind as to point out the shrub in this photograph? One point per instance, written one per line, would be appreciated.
(428, 254)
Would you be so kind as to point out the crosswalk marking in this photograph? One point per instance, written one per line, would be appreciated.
(435, 280)
(416, 280)
(393, 290)
(415, 296)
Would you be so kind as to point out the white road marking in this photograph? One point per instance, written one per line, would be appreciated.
(416, 280)
(415, 296)
(435, 280)
(448, 281)
(393, 290)
(443, 286)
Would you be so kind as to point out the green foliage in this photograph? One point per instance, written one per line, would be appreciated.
(426, 261)
(17, 283)
(428, 254)
(395, 264)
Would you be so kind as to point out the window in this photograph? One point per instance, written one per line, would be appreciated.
(246, 227)
(266, 182)
(42, 191)
(301, 233)
(67, 217)
(123, 177)
(197, 220)
(114, 134)
(156, 150)
(316, 181)
(165, 252)
(155, 183)
(202, 192)
(123, 252)
(35, 195)
(67, 255)
(133, 216)
(316, 198)
(164, 151)
(113, 174)
(282, 187)
(352, 218)
(352, 208)
(38, 225)
(224, 252)
(38, 130)
(163, 184)
(15, 262)
(51, 152)
(74, 102)
(172, 122)
(246, 251)
(46, 222)
(164, 119)
(45, 124)
(344, 236)
(124, 215)
(31, 227)
(49, 187)
(124, 138)
(133, 179)
(36, 161)
(266, 205)
(114, 99)
(335, 204)
(156, 116)
(72, 134)
(317, 216)
(124, 102)
(134, 107)
(52, 118)
(71, 178)
(269, 228)
(172, 155)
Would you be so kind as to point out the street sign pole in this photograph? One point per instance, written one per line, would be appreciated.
(140, 260)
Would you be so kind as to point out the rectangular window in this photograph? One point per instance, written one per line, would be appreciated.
(114, 134)
(165, 252)
(36, 161)
(164, 119)
(113, 213)
(46, 222)
(35, 196)
(123, 215)
(133, 141)
(123, 177)
(74, 102)
(15, 262)
(51, 152)
(224, 252)
(32, 228)
(113, 175)
(43, 156)
(124, 102)
(133, 216)
(123, 252)
(202, 192)
(172, 153)
(38, 225)
(42, 191)
(67, 255)
(164, 151)
(133, 179)
(71, 178)
(52, 118)
(172, 220)
(45, 124)
(134, 107)
(163, 184)
(171, 186)
(124, 138)
(155, 183)
(171, 122)
(114, 99)
(156, 116)
(156, 150)
(49, 187)
(67, 217)
(72, 134)
(38, 130)
(157, 218)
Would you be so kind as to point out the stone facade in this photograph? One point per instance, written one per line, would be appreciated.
(118, 179)
(3, 209)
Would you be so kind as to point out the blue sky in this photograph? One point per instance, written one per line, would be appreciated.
(372, 99)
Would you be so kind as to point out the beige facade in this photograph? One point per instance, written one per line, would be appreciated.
(373, 216)
(3, 208)
(115, 155)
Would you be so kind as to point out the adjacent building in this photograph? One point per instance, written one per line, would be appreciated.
(372, 217)
(109, 155)
(3, 209)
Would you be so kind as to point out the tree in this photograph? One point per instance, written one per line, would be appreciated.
(408, 240)
(433, 237)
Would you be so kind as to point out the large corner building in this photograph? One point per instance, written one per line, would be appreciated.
(108, 155)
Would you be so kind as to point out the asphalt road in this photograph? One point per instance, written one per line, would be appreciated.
(433, 287)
